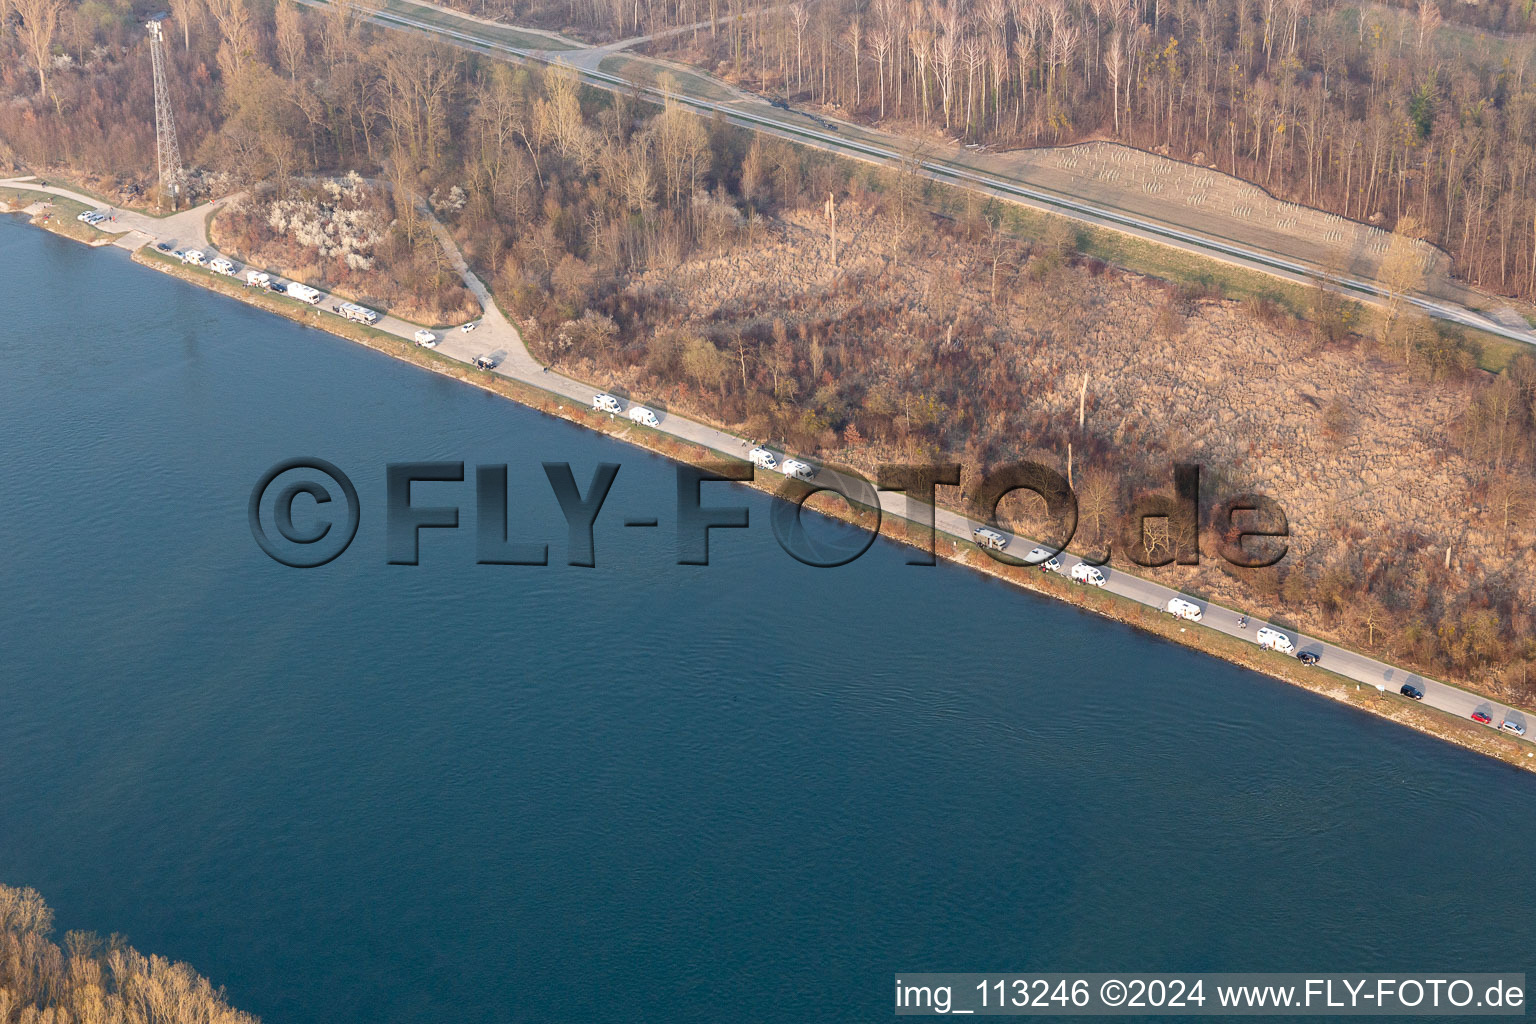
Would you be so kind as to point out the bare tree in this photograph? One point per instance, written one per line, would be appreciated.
(1114, 66)
(186, 12)
(1513, 500)
(39, 24)
(292, 45)
(1429, 21)
(1402, 274)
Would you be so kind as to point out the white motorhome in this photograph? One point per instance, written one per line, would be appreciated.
(1082, 572)
(1182, 609)
(797, 469)
(303, 292)
(194, 257)
(989, 538)
(1274, 640)
(763, 458)
(358, 314)
(258, 278)
(643, 416)
(220, 265)
(604, 402)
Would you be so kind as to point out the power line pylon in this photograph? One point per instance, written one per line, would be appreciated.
(172, 177)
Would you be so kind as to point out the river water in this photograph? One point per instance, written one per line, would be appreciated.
(748, 791)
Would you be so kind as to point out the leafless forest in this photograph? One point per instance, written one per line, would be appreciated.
(1371, 111)
(90, 980)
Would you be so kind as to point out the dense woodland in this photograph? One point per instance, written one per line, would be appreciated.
(1370, 111)
(579, 208)
(90, 980)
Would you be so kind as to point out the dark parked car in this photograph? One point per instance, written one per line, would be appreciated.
(1412, 692)
(1307, 657)
(164, 247)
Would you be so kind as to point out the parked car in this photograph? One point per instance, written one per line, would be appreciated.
(643, 416)
(1272, 638)
(1308, 657)
(1179, 608)
(1082, 572)
(425, 338)
(277, 286)
(763, 458)
(1510, 725)
(1411, 692)
(470, 326)
(487, 362)
(1051, 565)
(1482, 718)
(164, 246)
(986, 538)
(604, 402)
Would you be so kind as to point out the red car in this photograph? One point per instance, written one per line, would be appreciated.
(1483, 717)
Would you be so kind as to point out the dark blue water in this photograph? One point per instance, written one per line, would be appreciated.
(637, 792)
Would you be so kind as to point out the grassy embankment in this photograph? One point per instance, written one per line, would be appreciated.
(63, 177)
(1182, 267)
(60, 218)
(1446, 726)
(506, 35)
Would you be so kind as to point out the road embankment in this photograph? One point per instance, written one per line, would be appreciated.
(1362, 697)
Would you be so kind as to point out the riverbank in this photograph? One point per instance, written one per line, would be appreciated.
(54, 213)
(1363, 697)
(1373, 699)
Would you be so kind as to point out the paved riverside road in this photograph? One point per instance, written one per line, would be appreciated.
(495, 333)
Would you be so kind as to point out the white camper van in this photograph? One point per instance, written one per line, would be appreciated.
(258, 278)
(797, 469)
(604, 402)
(1082, 572)
(989, 538)
(1274, 640)
(303, 292)
(358, 314)
(643, 416)
(763, 458)
(1182, 609)
(220, 265)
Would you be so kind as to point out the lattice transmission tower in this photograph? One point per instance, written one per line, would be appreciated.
(172, 177)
